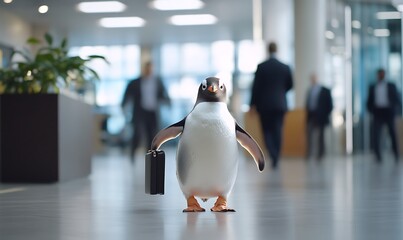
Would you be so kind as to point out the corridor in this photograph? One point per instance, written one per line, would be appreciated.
(338, 198)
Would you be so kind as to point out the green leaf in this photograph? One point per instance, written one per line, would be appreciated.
(24, 55)
(33, 41)
(98, 57)
(48, 39)
(63, 45)
(94, 73)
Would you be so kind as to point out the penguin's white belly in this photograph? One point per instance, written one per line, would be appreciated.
(207, 161)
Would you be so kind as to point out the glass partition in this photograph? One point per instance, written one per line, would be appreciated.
(376, 43)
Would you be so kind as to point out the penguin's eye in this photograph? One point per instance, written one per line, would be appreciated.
(222, 86)
(204, 86)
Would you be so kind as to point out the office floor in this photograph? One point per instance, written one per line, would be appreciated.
(339, 198)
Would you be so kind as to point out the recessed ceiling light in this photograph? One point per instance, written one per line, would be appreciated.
(122, 22)
(388, 15)
(329, 35)
(43, 9)
(166, 5)
(100, 7)
(8, 1)
(193, 19)
(356, 24)
(381, 32)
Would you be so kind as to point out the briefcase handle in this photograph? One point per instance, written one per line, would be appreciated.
(153, 151)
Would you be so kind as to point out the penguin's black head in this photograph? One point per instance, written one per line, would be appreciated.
(212, 90)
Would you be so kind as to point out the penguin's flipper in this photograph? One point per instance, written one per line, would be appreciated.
(250, 145)
(167, 134)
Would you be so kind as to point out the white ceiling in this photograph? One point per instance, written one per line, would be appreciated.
(234, 22)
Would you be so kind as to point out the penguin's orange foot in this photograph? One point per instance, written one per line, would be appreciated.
(194, 209)
(221, 206)
(193, 205)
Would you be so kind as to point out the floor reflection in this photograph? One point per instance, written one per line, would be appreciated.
(337, 198)
(207, 225)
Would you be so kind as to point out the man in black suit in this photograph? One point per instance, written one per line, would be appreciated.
(272, 81)
(146, 93)
(383, 103)
(319, 105)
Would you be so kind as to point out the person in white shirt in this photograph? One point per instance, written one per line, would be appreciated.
(319, 105)
(146, 92)
(384, 101)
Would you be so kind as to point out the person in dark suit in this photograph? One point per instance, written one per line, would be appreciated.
(383, 103)
(319, 105)
(146, 92)
(272, 81)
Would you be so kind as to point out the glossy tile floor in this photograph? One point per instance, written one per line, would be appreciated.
(338, 198)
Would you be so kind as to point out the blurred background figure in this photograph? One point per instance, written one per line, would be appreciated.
(146, 93)
(319, 105)
(383, 103)
(272, 81)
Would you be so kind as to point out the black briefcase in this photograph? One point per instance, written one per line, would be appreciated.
(155, 172)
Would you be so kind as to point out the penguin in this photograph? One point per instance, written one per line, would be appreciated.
(207, 152)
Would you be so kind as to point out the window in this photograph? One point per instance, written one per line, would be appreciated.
(124, 64)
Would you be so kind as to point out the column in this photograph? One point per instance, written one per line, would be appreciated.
(278, 26)
(310, 24)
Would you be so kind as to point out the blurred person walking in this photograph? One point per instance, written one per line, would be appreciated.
(319, 105)
(272, 81)
(146, 94)
(383, 103)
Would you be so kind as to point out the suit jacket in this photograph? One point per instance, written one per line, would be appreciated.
(323, 108)
(272, 81)
(395, 103)
(133, 93)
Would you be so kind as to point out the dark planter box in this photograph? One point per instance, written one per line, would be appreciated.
(44, 138)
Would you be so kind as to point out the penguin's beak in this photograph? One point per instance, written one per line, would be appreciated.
(212, 88)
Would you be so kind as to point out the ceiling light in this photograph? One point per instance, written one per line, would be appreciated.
(43, 9)
(381, 32)
(388, 15)
(100, 7)
(193, 19)
(166, 5)
(122, 22)
(329, 35)
(356, 24)
(8, 1)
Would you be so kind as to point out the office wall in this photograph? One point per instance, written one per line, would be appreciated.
(278, 26)
(14, 31)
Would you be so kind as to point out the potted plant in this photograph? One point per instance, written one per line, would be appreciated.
(46, 71)
(45, 134)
